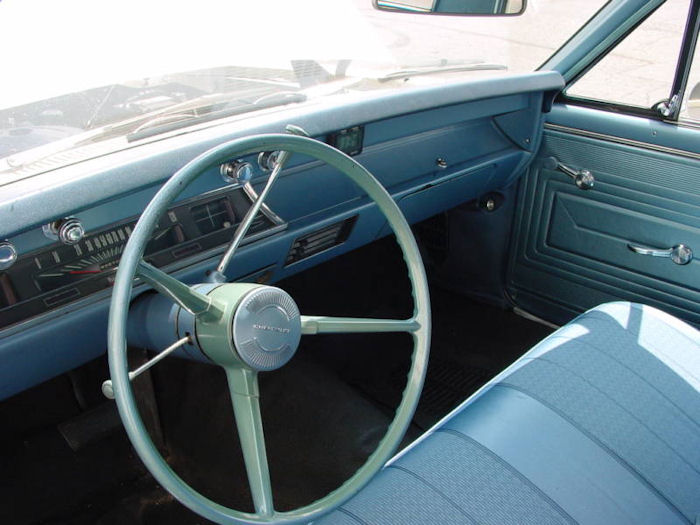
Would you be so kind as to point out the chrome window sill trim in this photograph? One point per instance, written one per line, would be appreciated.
(623, 141)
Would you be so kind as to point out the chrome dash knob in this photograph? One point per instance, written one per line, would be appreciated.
(8, 255)
(71, 231)
(267, 160)
(238, 172)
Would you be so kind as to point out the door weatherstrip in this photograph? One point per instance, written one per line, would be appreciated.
(623, 141)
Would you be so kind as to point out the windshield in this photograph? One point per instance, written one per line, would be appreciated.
(84, 71)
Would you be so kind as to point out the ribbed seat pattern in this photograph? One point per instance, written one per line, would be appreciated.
(599, 423)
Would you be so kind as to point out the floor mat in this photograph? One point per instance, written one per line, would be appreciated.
(447, 384)
(471, 342)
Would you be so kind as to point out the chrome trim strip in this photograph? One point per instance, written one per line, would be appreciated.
(623, 141)
(532, 317)
(267, 211)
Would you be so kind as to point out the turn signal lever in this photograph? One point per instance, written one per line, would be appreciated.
(583, 178)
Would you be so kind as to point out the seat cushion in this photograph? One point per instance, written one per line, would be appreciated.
(599, 423)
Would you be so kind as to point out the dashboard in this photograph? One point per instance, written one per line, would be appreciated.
(60, 273)
(432, 148)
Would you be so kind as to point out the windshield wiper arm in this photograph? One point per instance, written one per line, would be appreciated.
(418, 71)
(186, 113)
(170, 121)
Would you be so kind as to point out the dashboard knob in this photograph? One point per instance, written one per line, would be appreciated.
(71, 231)
(8, 255)
(238, 172)
(267, 160)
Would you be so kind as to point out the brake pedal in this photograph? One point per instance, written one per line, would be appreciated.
(91, 426)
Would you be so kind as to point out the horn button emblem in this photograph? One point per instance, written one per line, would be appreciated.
(266, 328)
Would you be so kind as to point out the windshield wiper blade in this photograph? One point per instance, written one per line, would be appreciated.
(171, 121)
(186, 113)
(430, 70)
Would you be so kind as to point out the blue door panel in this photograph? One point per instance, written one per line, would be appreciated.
(570, 250)
(643, 131)
(600, 233)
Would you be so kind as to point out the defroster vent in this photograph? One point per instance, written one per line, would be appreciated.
(320, 240)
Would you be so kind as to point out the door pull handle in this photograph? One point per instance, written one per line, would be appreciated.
(679, 254)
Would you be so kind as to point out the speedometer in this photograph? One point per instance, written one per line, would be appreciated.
(65, 275)
(98, 254)
(94, 255)
(59, 274)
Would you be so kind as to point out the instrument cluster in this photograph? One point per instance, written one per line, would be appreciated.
(62, 273)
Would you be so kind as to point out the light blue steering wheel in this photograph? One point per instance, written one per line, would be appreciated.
(246, 328)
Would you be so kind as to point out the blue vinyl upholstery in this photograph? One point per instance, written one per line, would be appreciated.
(599, 423)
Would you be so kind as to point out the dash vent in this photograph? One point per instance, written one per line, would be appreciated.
(320, 240)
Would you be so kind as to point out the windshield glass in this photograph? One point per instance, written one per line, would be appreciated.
(84, 71)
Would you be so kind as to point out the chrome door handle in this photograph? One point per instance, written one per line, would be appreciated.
(679, 254)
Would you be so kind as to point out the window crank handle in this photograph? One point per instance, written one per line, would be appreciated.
(583, 178)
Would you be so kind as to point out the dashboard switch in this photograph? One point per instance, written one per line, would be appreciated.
(267, 160)
(8, 255)
(238, 172)
(71, 231)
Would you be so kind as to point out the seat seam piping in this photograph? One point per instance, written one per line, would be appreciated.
(627, 334)
(598, 314)
(635, 473)
(352, 516)
(633, 372)
(625, 410)
(437, 491)
(527, 481)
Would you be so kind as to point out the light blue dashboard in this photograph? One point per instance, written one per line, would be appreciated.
(432, 148)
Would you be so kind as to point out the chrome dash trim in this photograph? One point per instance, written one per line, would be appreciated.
(623, 141)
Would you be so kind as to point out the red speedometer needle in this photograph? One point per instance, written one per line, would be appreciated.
(74, 272)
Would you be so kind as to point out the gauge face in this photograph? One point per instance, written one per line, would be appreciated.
(95, 255)
(98, 255)
(213, 216)
(78, 270)
(59, 274)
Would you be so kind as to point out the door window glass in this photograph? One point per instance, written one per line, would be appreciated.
(640, 70)
(690, 110)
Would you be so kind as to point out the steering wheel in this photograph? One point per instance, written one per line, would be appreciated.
(246, 328)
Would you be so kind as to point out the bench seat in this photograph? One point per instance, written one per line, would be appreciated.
(598, 423)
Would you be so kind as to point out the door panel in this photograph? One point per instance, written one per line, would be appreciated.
(570, 246)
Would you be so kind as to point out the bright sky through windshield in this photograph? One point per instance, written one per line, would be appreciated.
(70, 45)
(74, 66)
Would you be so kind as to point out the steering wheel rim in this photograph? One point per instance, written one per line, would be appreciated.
(121, 296)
